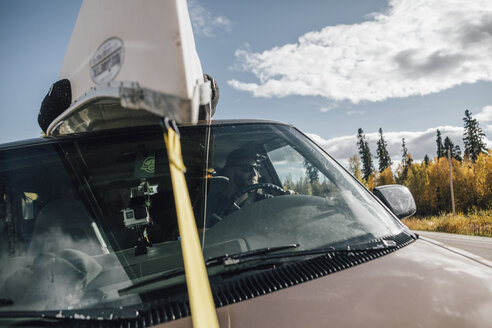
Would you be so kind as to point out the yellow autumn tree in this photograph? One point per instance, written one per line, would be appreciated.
(439, 192)
(430, 186)
(385, 177)
(355, 167)
(417, 181)
(483, 180)
(464, 185)
(371, 181)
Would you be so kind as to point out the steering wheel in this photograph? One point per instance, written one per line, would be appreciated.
(250, 188)
(257, 186)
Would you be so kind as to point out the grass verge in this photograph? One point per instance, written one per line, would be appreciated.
(475, 223)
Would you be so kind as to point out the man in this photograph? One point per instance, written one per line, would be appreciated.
(241, 169)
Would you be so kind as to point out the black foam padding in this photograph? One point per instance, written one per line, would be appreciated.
(56, 102)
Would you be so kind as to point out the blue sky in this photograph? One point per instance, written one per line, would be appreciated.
(328, 67)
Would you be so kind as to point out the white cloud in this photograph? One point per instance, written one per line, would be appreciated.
(328, 108)
(416, 47)
(418, 143)
(484, 119)
(204, 23)
(485, 115)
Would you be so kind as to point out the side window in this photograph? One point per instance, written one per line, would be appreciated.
(298, 174)
(40, 205)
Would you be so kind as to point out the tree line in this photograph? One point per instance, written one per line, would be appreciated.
(429, 180)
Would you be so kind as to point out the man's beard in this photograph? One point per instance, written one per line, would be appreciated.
(242, 183)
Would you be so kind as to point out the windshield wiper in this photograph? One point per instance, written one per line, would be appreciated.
(253, 259)
(227, 259)
(67, 317)
(266, 257)
(211, 262)
(370, 247)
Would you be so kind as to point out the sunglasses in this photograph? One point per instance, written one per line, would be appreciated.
(247, 168)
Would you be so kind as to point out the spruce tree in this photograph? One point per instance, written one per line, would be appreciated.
(426, 159)
(365, 154)
(440, 146)
(448, 144)
(406, 161)
(473, 137)
(382, 152)
(404, 152)
(457, 153)
(311, 172)
(455, 150)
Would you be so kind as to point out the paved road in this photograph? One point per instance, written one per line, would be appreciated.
(481, 246)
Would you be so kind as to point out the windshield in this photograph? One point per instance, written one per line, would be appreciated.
(84, 219)
(271, 186)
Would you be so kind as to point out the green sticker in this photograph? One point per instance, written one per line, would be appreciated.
(144, 165)
(148, 165)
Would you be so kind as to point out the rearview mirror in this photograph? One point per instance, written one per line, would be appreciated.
(398, 199)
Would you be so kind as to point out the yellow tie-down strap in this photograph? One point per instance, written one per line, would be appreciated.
(200, 295)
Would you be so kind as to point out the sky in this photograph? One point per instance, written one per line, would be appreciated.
(328, 67)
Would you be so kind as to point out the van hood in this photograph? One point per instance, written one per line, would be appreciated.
(420, 285)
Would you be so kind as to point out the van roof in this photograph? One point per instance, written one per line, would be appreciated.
(51, 139)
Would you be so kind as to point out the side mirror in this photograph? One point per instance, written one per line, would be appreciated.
(398, 199)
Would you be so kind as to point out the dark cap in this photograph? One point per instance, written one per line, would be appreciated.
(241, 154)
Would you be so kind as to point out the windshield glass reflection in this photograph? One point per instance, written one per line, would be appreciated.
(84, 219)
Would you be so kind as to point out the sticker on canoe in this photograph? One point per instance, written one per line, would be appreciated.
(107, 60)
